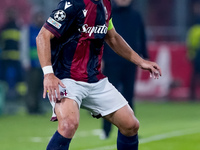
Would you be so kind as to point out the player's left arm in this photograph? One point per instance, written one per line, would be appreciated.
(119, 45)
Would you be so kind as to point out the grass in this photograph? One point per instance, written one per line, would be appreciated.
(163, 126)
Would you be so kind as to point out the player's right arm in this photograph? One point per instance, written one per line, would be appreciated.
(51, 82)
(54, 28)
(119, 45)
(43, 47)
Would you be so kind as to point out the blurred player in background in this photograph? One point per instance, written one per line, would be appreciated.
(31, 64)
(120, 72)
(10, 55)
(193, 43)
(70, 49)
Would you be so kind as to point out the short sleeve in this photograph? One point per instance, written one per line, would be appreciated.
(61, 18)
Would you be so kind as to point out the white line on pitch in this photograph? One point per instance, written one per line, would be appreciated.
(113, 147)
(168, 135)
(81, 134)
(154, 138)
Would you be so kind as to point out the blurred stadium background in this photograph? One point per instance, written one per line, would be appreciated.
(169, 121)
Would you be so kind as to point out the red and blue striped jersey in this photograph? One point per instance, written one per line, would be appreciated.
(79, 27)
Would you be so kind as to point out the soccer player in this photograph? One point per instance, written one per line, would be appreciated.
(70, 48)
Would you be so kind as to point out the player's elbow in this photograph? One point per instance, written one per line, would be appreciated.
(111, 40)
(44, 35)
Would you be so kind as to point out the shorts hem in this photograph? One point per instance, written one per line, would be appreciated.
(113, 110)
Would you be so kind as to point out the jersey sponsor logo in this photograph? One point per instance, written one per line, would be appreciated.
(54, 23)
(67, 5)
(85, 12)
(99, 29)
(60, 15)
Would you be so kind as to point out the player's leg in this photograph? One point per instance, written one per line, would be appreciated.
(128, 126)
(106, 101)
(107, 127)
(67, 112)
(113, 71)
(128, 81)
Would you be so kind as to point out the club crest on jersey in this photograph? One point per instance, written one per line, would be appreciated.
(63, 93)
(60, 15)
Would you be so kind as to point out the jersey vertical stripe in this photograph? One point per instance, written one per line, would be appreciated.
(80, 68)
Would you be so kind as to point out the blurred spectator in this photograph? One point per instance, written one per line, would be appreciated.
(22, 8)
(11, 70)
(34, 75)
(193, 43)
(122, 73)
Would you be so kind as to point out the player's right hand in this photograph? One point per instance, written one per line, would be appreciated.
(152, 67)
(51, 86)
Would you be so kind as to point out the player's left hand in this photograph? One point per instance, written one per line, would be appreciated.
(51, 86)
(153, 68)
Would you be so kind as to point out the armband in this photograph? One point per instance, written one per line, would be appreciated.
(47, 70)
(110, 25)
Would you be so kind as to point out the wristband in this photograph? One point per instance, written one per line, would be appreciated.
(47, 70)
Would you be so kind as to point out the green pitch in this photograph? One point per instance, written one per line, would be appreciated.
(163, 126)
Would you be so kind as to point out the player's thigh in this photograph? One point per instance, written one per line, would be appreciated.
(67, 111)
(124, 119)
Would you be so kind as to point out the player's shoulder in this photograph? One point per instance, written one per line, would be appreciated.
(73, 4)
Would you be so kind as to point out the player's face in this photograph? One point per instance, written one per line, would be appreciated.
(123, 3)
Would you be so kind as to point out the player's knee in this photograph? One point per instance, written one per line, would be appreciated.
(131, 128)
(68, 127)
(136, 126)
